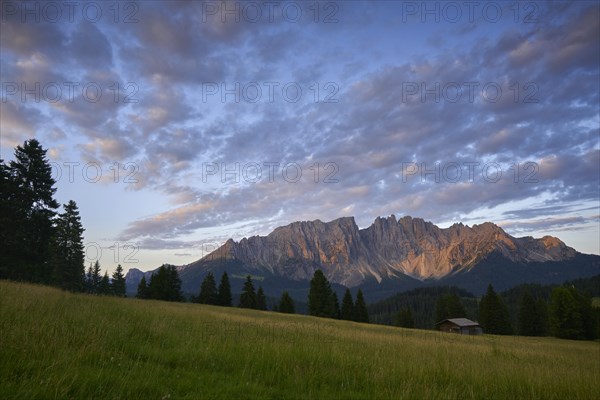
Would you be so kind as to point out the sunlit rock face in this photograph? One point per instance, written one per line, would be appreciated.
(388, 248)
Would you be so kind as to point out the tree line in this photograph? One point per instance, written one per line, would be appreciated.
(96, 283)
(568, 314)
(322, 300)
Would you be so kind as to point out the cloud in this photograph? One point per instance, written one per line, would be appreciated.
(547, 113)
(547, 224)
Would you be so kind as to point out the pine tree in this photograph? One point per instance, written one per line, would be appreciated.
(319, 296)
(224, 296)
(95, 278)
(104, 285)
(208, 290)
(571, 314)
(334, 306)
(174, 293)
(261, 301)
(286, 304)
(67, 249)
(165, 284)
(360, 308)
(142, 289)
(34, 207)
(527, 318)
(493, 314)
(12, 216)
(118, 284)
(541, 328)
(449, 306)
(347, 311)
(88, 280)
(404, 318)
(248, 296)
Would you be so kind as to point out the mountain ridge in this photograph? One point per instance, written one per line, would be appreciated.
(387, 248)
(389, 255)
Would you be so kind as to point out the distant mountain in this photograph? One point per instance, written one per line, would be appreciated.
(390, 256)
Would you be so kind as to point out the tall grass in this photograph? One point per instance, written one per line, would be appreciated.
(55, 344)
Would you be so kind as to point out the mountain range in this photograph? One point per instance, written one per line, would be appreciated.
(387, 257)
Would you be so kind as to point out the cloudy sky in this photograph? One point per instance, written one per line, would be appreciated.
(177, 125)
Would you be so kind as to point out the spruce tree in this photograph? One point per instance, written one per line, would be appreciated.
(248, 296)
(347, 311)
(286, 304)
(541, 328)
(454, 307)
(142, 289)
(68, 250)
(174, 286)
(404, 318)
(104, 285)
(261, 301)
(360, 308)
(12, 217)
(319, 296)
(88, 280)
(527, 324)
(224, 296)
(96, 278)
(165, 284)
(571, 315)
(31, 175)
(449, 306)
(493, 314)
(334, 306)
(208, 290)
(118, 284)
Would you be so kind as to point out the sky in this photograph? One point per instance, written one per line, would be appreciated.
(178, 125)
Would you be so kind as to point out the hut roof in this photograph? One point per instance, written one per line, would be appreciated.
(463, 322)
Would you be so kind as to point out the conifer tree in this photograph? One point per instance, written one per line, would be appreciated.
(104, 285)
(528, 319)
(493, 314)
(261, 301)
(404, 318)
(118, 284)
(224, 296)
(142, 289)
(208, 290)
(165, 284)
(34, 209)
(286, 304)
(319, 296)
(95, 277)
(571, 315)
(347, 311)
(67, 249)
(360, 308)
(248, 296)
(334, 306)
(12, 216)
(449, 306)
(88, 279)
(541, 308)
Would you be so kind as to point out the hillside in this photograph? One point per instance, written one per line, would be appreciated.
(62, 345)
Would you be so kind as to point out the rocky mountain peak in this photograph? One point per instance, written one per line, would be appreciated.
(388, 248)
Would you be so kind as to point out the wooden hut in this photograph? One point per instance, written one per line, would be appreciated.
(459, 325)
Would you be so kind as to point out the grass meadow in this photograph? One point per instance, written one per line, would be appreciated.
(59, 345)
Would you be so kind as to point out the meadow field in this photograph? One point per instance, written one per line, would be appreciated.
(59, 345)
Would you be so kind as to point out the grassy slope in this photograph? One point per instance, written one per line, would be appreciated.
(59, 345)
